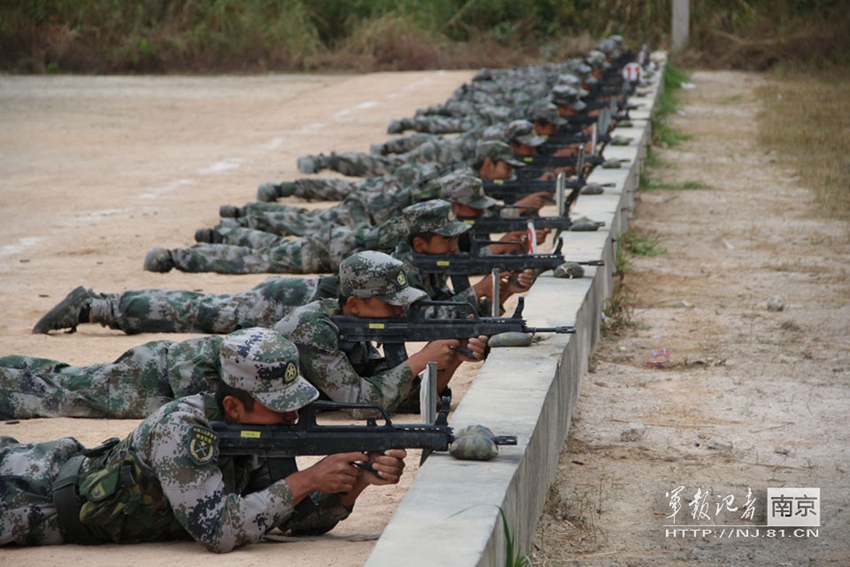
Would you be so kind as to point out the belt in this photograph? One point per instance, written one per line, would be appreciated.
(67, 499)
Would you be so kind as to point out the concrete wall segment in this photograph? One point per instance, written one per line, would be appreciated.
(450, 515)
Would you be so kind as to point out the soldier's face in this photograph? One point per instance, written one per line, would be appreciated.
(261, 415)
(523, 150)
(439, 244)
(545, 128)
(503, 170)
(466, 212)
(375, 308)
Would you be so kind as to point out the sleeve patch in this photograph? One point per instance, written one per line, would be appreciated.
(203, 445)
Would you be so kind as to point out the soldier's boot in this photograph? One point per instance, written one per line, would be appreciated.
(159, 260)
(67, 313)
(399, 126)
(208, 235)
(271, 192)
(229, 212)
(310, 164)
(378, 149)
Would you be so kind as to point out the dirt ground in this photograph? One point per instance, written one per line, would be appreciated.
(96, 171)
(751, 398)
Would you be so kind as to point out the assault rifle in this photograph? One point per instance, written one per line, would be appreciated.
(509, 191)
(392, 333)
(460, 265)
(277, 445)
(499, 222)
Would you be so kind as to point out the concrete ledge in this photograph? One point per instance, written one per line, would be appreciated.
(450, 515)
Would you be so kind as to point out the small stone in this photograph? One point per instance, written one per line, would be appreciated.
(775, 304)
(721, 446)
(781, 450)
(633, 432)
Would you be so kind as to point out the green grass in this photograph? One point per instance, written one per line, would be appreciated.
(805, 120)
(641, 244)
(649, 183)
(203, 36)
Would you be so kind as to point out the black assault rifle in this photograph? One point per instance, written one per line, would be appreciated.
(392, 333)
(277, 445)
(460, 265)
(510, 218)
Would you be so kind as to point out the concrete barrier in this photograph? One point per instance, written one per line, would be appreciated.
(451, 514)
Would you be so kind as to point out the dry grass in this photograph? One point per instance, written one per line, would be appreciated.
(806, 119)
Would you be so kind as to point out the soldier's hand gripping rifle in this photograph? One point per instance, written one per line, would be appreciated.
(460, 265)
(512, 218)
(511, 190)
(392, 333)
(277, 445)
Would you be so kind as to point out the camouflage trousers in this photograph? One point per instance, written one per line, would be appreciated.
(434, 124)
(325, 189)
(27, 513)
(356, 164)
(283, 220)
(137, 383)
(165, 311)
(248, 251)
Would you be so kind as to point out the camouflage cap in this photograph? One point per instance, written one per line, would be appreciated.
(545, 111)
(435, 216)
(573, 81)
(466, 189)
(597, 60)
(264, 364)
(523, 131)
(568, 96)
(375, 274)
(483, 74)
(497, 151)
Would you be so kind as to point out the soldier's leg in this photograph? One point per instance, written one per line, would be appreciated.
(165, 311)
(131, 387)
(27, 471)
(309, 189)
(223, 259)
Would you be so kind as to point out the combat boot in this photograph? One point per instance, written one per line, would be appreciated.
(208, 235)
(229, 211)
(159, 260)
(271, 192)
(66, 313)
(310, 164)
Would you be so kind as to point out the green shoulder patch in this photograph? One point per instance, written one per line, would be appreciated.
(203, 445)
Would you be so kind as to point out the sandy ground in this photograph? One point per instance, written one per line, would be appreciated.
(750, 399)
(96, 171)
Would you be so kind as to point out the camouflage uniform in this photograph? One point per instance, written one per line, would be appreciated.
(372, 205)
(248, 251)
(166, 311)
(444, 151)
(438, 217)
(164, 481)
(137, 383)
(329, 189)
(354, 372)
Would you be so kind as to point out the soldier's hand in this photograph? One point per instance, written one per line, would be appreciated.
(440, 352)
(389, 465)
(336, 473)
(477, 346)
(515, 282)
(536, 200)
(443, 352)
